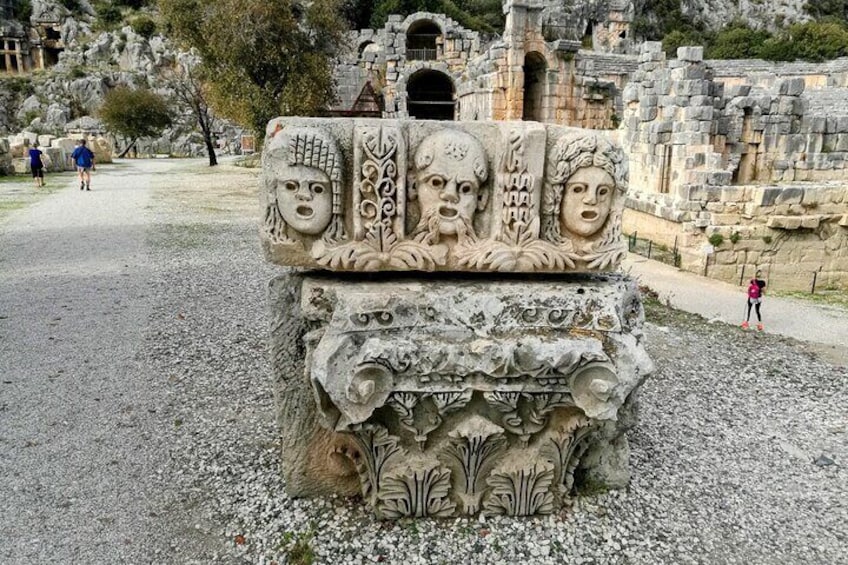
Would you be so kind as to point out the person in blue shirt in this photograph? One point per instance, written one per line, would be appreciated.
(36, 165)
(83, 159)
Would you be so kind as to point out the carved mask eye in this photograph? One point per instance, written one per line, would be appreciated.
(291, 186)
(317, 188)
(437, 182)
(466, 188)
(603, 191)
(577, 188)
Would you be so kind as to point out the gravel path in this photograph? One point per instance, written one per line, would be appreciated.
(136, 421)
(717, 300)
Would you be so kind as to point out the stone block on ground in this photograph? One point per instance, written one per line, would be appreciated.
(482, 396)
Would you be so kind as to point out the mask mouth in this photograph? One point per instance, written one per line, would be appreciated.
(448, 212)
(304, 212)
(589, 215)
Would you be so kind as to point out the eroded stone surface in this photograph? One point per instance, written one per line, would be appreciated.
(455, 396)
(394, 195)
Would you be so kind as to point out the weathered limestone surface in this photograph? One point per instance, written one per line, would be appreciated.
(390, 195)
(448, 396)
(461, 391)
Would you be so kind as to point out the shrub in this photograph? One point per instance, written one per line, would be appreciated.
(735, 237)
(737, 42)
(811, 41)
(716, 239)
(22, 10)
(133, 4)
(108, 15)
(144, 26)
(681, 38)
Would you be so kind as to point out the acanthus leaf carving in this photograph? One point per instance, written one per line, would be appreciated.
(447, 402)
(381, 249)
(565, 450)
(378, 450)
(416, 493)
(475, 446)
(413, 416)
(521, 492)
(517, 250)
(526, 414)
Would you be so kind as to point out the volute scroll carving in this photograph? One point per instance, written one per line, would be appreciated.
(457, 411)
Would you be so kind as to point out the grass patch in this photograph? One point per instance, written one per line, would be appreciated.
(838, 298)
(300, 547)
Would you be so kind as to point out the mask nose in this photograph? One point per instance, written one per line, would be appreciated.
(449, 193)
(303, 192)
(591, 196)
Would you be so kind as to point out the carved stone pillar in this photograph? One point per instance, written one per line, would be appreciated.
(464, 389)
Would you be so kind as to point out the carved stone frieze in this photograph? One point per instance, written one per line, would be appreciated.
(450, 395)
(395, 195)
(466, 397)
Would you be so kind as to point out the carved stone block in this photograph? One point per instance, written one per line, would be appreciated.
(393, 195)
(450, 396)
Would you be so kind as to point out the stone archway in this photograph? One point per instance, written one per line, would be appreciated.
(430, 96)
(421, 39)
(535, 71)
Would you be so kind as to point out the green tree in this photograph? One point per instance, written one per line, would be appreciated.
(810, 41)
(738, 41)
(480, 15)
(134, 114)
(824, 8)
(262, 58)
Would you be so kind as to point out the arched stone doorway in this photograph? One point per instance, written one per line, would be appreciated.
(535, 69)
(421, 41)
(430, 96)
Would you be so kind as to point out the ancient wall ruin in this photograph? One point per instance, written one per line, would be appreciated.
(760, 162)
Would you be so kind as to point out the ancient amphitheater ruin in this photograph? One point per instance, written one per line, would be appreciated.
(736, 165)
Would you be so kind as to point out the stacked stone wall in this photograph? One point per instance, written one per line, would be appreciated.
(761, 163)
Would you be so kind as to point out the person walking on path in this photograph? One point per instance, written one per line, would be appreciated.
(36, 165)
(756, 289)
(83, 158)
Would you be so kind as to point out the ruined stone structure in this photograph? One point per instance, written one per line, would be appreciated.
(759, 160)
(27, 46)
(427, 66)
(434, 394)
(751, 150)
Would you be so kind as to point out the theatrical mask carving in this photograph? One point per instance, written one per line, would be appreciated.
(303, 175)
(450, 169)
(587, 175)
(586, 201)
(304, 198)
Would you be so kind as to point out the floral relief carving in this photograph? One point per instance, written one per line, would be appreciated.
(474, 446)
(521, 492)
(378, 450)
(416, 493)
(564, 450)
(413, 416)
(526, 414)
